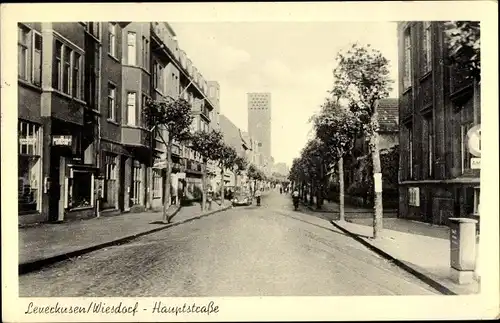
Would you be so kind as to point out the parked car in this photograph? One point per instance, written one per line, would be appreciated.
(241, 197)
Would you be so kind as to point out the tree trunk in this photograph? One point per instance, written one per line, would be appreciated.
(377, 177)
(341, 188)
(221, 185)
(204, 186)
(235, 179)
(311, 194)
(166, 203)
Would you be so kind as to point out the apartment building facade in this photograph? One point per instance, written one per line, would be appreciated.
(84, 147)
(438, 105)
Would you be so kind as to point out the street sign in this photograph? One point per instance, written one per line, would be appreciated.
(474, 140)
(62, 140)
(475, 163)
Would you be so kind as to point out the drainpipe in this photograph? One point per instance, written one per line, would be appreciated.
(98, 164)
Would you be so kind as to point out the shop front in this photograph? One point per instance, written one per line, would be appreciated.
(30, 190)
(72, 182)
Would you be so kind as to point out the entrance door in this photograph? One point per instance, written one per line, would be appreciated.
(55, 187)
(56, 194)
(121, 194)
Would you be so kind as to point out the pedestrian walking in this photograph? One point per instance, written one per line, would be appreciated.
(257, 197)
(281, 190)
(210, 196)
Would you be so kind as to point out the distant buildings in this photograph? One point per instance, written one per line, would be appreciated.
(437, 108)
(281, 168)
(259, 120)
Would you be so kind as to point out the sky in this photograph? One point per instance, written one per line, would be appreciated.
(292, 60)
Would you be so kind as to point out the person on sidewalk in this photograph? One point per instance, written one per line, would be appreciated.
(257, 196)
(210, 196)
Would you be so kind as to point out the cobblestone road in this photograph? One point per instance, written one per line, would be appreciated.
(266, 251)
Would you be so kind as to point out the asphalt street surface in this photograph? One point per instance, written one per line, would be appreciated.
(247, 251)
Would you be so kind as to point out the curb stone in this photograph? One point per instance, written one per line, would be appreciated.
(31, 266)
(415, 272)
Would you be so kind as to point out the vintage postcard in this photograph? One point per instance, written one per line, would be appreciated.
(253, 161)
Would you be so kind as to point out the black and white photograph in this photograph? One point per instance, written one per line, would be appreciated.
(165, 165)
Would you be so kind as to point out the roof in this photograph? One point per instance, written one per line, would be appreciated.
(388, 114)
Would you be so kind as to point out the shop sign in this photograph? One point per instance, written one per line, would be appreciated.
(27, 141)
(474, 140)
(475, 163)
(62, 140)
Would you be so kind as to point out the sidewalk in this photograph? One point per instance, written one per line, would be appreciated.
(351, 212)
(54, 242)
(419, 248)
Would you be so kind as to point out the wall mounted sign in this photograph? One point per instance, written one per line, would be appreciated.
(474, 140)
(62, 140)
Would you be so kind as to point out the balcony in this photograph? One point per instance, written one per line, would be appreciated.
(205, 112)
(166, 36)
(133, 136)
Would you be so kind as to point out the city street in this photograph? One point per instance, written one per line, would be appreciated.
(247, 251)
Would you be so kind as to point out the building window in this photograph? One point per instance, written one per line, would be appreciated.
(94, 28)
(111, 102)
(29, 167)
(112, 39)
(464, 149)
(80, 189)
(56, 77)
(22, 51)
(29, 55)
(37, 59)
(158, 76)
(407, 75)
(131, 108)
(77, 75)
(430, 144)
(131, 49)
(109, 189)
(135, 193)
(145, 53)
(427, 47)
(66, 69)
(157, 180)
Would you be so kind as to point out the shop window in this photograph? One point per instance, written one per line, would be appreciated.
(109, 193)
(135, 192)
(80, 189)
(157, 183)
(29, 168)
